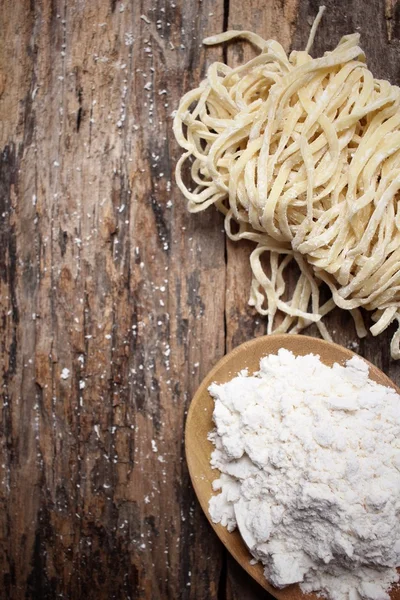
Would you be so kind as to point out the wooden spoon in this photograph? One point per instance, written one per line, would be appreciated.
(199, 423)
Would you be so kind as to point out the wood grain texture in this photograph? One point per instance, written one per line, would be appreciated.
(108, 323)
(114, 301)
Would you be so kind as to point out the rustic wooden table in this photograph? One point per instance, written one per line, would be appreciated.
(115, 302)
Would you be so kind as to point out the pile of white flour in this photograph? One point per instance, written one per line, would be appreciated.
(310, 471)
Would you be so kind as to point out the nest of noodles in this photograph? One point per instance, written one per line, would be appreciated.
(304, 155)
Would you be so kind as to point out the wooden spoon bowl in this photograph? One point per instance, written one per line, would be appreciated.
(199, 423)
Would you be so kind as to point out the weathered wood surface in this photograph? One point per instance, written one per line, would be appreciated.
(114, 301)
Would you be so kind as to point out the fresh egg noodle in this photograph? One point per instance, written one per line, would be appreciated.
(302, 156)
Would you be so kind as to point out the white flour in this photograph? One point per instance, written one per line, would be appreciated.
(310, 468)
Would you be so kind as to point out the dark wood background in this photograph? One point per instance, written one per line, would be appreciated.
(105, 274)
